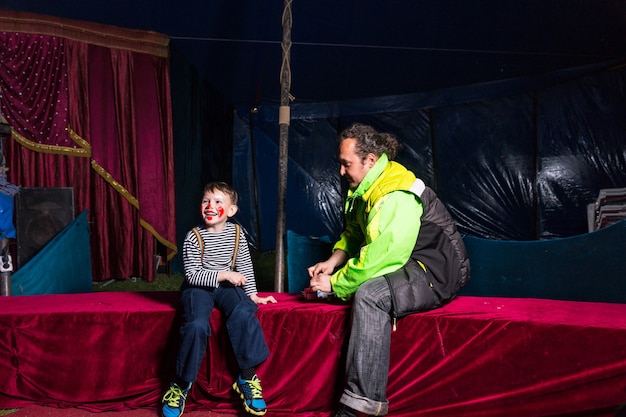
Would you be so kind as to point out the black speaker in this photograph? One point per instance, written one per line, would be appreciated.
(40, 213)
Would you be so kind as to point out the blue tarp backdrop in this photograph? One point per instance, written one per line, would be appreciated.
(515, 160)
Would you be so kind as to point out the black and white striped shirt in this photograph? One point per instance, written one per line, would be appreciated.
(218, 254)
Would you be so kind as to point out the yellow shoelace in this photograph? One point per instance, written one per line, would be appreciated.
(255, 386)
(173, 396)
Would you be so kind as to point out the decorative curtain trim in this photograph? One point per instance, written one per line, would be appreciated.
(84, 149)
(147, 42)
(78, 140)
(116, 185)
(164, 242)
(135, 203)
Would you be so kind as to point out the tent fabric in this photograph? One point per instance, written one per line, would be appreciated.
(302, 252)
(346, 50)
(203, 124)
(63, 266)
(510, 167)
(559, 269)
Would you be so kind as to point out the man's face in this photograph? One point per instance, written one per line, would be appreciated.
(351, 167)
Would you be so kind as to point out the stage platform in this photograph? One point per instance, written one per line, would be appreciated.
(477, 356)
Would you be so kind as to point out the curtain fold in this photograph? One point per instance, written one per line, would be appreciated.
(90, 109)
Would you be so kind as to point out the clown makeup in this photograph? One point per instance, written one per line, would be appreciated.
(216, 208)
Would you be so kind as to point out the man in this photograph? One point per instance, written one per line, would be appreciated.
(400, 253)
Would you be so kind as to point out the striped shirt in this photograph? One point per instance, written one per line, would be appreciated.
(218, 254)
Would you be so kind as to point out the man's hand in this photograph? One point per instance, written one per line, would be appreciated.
(325, 267)
(321, 282)
(328, 266)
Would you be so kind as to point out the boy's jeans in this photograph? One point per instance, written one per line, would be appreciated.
(244, 329)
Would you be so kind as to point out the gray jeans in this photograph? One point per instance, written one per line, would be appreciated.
(367, 363)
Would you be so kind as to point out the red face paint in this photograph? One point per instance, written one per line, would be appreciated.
(220, 211)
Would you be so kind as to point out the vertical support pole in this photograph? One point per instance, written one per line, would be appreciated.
(283, 153)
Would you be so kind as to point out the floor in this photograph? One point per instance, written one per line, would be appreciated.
(38, 411)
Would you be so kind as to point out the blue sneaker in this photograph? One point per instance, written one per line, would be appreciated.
(174, 400)
(250, 392)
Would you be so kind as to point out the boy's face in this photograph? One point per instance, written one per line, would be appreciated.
(216, 208)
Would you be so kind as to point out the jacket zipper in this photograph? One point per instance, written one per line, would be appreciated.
(394, 317)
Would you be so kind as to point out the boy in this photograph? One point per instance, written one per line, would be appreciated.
(218, 272)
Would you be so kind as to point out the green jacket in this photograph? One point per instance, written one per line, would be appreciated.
(382, 224)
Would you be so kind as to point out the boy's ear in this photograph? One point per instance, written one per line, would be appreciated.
(232, 210)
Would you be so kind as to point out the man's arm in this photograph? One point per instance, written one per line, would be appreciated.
(391, 232)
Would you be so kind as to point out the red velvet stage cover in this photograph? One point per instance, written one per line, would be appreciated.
(477, 356)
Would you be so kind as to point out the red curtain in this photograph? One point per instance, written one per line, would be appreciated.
(90, 108)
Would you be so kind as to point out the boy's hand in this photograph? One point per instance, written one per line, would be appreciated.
(233, 277)
(262, 300)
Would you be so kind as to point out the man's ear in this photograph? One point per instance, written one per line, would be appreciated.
(371, 159)
(232, 210)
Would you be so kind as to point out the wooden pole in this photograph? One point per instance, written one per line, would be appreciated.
(283, 154)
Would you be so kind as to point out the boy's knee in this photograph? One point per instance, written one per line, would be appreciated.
(244, 311)
(196, 326)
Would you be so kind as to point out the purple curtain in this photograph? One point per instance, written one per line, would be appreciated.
(90, 109)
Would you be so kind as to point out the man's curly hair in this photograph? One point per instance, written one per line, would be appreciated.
(369, 140)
